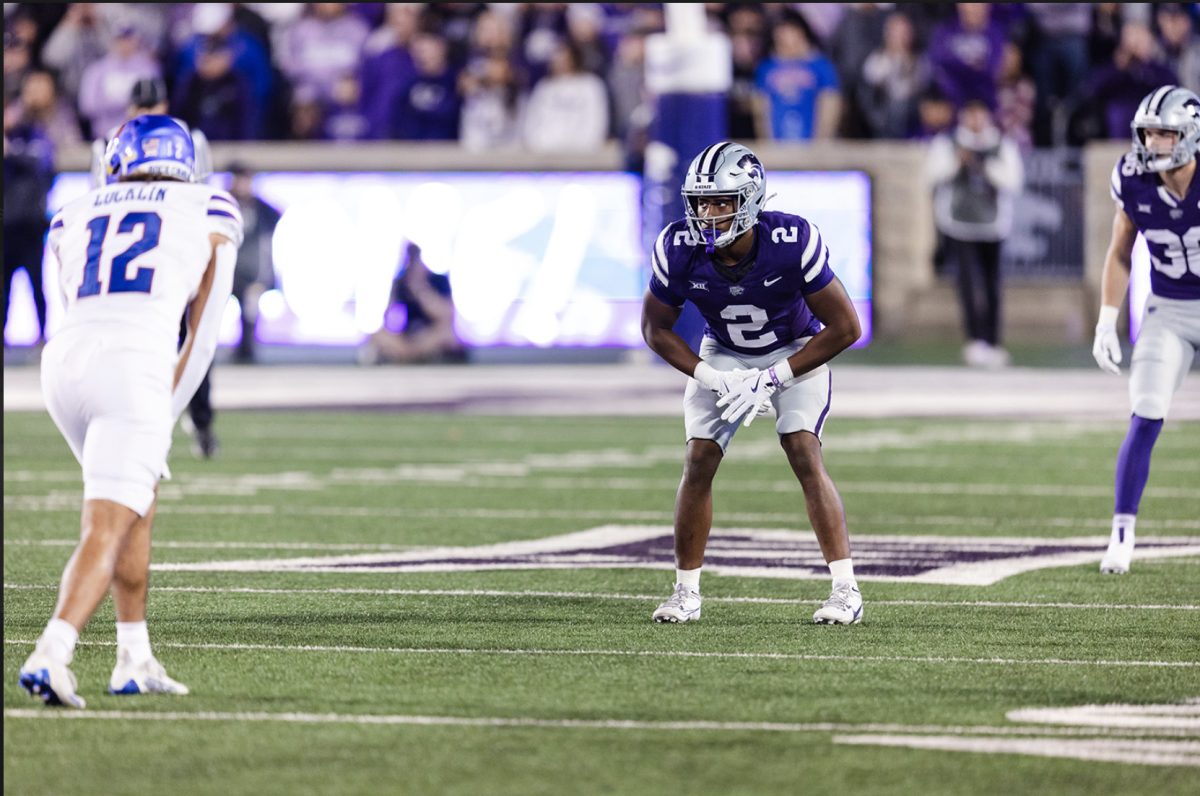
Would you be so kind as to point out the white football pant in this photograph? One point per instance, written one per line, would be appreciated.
(801, 405)
(113, 406)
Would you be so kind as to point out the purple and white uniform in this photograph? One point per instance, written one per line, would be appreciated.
(1170, 332)
(753, 321)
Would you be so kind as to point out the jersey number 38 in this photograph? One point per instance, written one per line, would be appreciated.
(1179, 253)
(119, 281)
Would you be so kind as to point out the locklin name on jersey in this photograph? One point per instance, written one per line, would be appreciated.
(140, 193)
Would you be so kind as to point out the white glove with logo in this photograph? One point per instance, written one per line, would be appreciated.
(719, 381)
(1107, 346)
(748, 394)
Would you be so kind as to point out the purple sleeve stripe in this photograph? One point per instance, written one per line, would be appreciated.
(212, 212)
(217, 198)
(828, 403)
(56, 224)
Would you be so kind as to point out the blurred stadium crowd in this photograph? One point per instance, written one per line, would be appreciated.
(559, 76)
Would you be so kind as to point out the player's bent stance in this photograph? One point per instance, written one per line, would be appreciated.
(134, 255)
(776, 315)
(1156, 194)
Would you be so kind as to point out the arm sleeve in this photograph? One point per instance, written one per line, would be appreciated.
(814, 262)
(56, 231)
(664, 288)
(1006, 171)
(225, 218)
(204, 346)
(941, 163)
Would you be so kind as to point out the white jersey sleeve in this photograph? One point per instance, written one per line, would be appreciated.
(224, 217)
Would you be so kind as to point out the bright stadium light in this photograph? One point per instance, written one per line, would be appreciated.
(379, 240)
(432, 220)
(313, 260)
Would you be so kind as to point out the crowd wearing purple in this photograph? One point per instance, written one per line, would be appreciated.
(555, 76)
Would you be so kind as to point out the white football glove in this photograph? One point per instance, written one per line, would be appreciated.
(1107, 346)
(748, 395)
(719, 381)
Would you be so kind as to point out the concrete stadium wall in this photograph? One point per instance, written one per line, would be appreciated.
(911, 302)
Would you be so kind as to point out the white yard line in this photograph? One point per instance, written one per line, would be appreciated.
(1108, 750)
(601, 724)
(647, 654)
(639, 597)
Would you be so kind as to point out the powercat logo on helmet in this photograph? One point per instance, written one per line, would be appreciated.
(752, 167)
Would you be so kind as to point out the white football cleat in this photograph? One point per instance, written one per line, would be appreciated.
(149, 677)
(844, 607)
(1119, 554)
(683, 606)
(51, 681)
(1116, 560)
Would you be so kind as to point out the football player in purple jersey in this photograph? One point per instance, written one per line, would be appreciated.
(1156, 194)
(776, 315)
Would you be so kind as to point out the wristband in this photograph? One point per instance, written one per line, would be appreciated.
(705, 373)
(1108, 315)
(780, 372)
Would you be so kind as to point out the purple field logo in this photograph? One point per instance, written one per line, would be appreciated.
(964, 561)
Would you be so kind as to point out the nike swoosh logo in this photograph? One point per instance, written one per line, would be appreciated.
(770, 282)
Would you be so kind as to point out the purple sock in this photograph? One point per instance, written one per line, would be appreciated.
(1133, 463)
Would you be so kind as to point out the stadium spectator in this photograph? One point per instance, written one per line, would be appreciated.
(798, 87)
(568, 108)
(934, 113)
(1180, 43)
(108, 83)
(216, 98)
(492, 104)
(627, 80)
(28, 175)
(343, 117)
(18, 60)
(454, 22)
(388, 69)
(82, 38)
(1058, 61)
(254, 273)
(323, 47)
(858, 33)
(544, 25)
(1117, 88)
(215, 27)
(40, 106)
(428, 319)
(976, 171)
(584, 23)
(747, 36)
(490, 88)
(429, 110)
(1105, 32)
(893, 77)
(966, 55)
(1016, 96)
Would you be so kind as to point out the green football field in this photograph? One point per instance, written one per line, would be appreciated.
(363, 670)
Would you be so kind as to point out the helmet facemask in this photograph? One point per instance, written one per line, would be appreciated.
(706, 228)
(727, 170)
(1178, 111)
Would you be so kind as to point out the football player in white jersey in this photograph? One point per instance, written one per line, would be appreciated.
(1156, 192)
(134, 256)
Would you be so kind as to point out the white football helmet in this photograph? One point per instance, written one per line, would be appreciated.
(1167, 108)
(724, 169)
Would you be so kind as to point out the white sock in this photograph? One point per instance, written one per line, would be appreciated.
(689, 578)
(134, 638)
(58, 641)
(1122, 528)
(842, 571)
